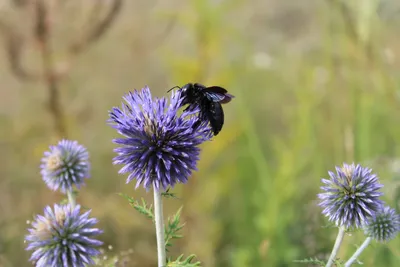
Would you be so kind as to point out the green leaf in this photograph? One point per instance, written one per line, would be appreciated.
(339, 263)
(184, 263)
(168, 194)
(312, 261)
(64, 201)
(142, 208)
(172, 228)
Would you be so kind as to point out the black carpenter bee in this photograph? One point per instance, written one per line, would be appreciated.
(209, 100)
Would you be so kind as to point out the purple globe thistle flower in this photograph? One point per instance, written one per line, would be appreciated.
(63, 237)
(384, 225)
(65, 165)
(160, 146)
(351, 195)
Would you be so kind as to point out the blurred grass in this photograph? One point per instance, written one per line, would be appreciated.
(310, 94)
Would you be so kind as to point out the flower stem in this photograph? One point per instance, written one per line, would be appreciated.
(71, 198)
(336, 247)
(358, 252)
(159, 221)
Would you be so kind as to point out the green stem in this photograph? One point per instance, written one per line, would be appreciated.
(71, 198)
(336, 247)
(358, 252)
(159, 222)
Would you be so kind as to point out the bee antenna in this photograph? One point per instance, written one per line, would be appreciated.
(173, 88)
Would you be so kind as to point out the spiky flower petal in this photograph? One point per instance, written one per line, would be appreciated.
(384, 225)
(351, 195)
(159, 146)
(64, 165)
(63, 237)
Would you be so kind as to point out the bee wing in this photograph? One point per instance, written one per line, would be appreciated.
(214, 97)
(216, 89)
(218, 94)
(227, 99)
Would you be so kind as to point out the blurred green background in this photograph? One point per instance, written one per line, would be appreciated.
(316, 85)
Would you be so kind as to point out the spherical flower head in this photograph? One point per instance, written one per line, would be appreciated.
(351, 195)
(64, 165)
(63, 237)
(384, 225)
(160, 146)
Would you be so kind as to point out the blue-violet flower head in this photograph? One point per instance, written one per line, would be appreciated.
(63, 237)
(351, 195)
(159, 146)
(64, 165)
(384, 225)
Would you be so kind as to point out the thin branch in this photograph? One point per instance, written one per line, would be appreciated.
(168, 29)
(351, 27)
(14, 42)
(20, 3)
(347, 17)
(42, 31)
(98, 29)
(14, 46)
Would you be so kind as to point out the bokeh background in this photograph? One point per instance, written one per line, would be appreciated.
(316, 84)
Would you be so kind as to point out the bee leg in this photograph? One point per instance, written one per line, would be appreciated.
(189, 108)
(196, 124)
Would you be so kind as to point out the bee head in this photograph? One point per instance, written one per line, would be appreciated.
(186, 93)
(186, 89)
